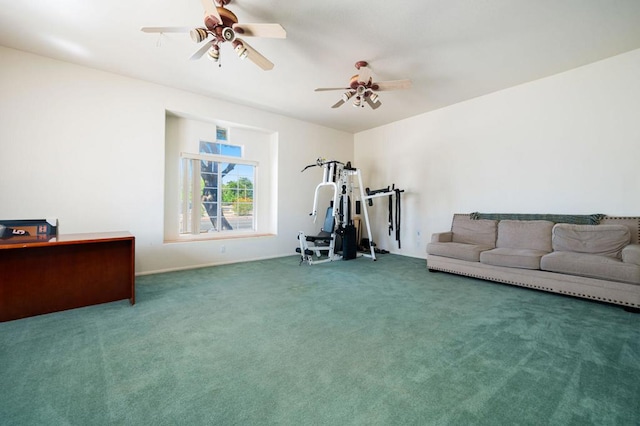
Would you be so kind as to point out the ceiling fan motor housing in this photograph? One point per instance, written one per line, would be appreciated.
(228, 19)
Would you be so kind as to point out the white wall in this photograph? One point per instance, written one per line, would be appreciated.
(87, 147)
(569, 143)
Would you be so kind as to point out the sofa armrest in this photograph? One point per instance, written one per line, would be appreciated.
(442, 237)
(631, 254)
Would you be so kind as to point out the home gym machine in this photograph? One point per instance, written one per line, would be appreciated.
(338, 238)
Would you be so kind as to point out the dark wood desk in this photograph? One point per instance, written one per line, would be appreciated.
(66, 272)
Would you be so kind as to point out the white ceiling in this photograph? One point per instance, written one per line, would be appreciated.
(452, 50)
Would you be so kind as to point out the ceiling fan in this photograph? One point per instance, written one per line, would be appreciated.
(220, 26)
(364, 88)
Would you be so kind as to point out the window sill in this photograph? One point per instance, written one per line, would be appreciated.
(216, 237)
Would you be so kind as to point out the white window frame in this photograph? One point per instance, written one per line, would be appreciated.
(196, 193)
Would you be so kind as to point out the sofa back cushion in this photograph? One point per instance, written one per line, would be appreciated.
(525, 234)
(603, 240)
(468, 231)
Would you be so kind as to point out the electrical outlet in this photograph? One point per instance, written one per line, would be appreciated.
(223, 249)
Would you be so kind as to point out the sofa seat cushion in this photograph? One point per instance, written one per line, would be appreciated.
(513, 258)
(591, 265)
(603, 240)
(462, 251)
(525, 234)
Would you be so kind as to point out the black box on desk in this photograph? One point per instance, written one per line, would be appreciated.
(28, 230)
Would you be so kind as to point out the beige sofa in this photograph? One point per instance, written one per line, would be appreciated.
(600, 262)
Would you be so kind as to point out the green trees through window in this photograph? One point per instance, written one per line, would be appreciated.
(239, 194)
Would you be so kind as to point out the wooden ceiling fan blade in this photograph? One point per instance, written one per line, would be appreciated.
(200, 52)
(326, 89)
(392, 85)
(165, 29)
(261, 30)
(373, 105)
(210, 9)
(256, 57)
(337, 104)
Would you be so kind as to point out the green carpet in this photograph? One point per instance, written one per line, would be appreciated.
(346, 343)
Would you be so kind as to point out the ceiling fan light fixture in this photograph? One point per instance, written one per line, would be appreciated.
(346, 96)
(357, 102)
(241, 51)
(198, 34)
(228, 34)
(214, 53)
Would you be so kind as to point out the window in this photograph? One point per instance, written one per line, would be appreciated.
(217, 189)
(220, 180)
